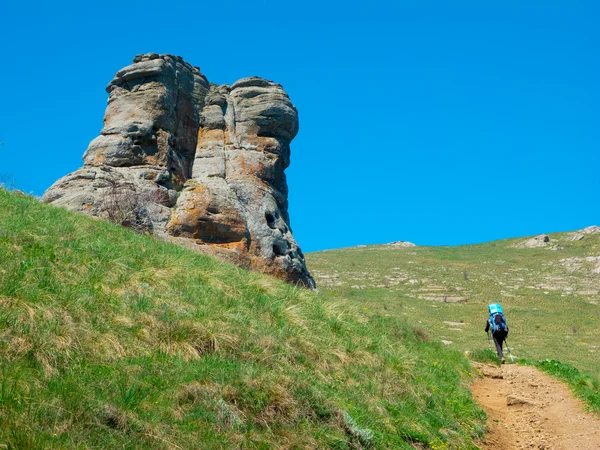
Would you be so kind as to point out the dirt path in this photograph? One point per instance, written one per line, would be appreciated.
(528, 409)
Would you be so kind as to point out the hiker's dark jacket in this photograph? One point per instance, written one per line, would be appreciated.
(499, 338)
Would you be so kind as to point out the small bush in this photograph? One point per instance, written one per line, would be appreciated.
(126, 207)
(485, 356)
(228, 416)
(364, 436)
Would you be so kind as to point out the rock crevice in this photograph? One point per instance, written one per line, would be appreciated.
(195, 162)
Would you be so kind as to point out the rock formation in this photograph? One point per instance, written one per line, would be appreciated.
(534, 242)
(580, 234)
(401, 244)
(195, 162)
(591, 230)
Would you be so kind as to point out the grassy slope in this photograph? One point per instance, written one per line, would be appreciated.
(110, 339)
(552, 306)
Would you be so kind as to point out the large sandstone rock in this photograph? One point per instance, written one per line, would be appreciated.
(194, 162)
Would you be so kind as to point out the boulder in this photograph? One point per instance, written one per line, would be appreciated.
(200, 164)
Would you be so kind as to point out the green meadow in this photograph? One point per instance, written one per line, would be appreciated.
(112, 339)
(549, 295)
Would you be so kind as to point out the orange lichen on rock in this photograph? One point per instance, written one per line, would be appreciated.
(201, 216)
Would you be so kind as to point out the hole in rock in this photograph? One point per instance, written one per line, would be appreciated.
(270, 219)
(278, 250)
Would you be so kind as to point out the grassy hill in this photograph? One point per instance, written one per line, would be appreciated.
(112, 339)
(550, 294)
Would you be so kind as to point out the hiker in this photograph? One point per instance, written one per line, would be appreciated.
(497, 324)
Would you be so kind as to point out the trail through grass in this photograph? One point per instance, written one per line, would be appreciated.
(550, 295)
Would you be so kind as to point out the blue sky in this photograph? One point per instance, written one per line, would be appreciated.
(429, 121)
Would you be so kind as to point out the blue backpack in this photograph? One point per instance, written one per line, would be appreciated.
(497, 319)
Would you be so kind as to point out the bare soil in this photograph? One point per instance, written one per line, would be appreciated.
(528, 409)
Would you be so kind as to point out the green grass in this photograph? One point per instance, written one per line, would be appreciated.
(486, 356)
(550, 298)
(112, 339)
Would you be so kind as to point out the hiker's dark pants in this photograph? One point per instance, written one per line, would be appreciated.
(499, 338)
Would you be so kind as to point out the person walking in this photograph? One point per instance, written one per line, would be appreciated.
(496, 323)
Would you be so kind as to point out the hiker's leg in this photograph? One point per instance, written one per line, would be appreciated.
(498, 343)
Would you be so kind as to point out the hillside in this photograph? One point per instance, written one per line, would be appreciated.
(112, 339)
(550, 291)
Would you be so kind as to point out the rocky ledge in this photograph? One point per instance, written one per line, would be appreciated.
(194, 162)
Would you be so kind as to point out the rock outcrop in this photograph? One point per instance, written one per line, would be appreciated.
(591, 230)
(580, 234)
(401, 244)
(194, 162)
(535, 242)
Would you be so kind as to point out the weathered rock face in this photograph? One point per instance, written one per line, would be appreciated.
(194, 162)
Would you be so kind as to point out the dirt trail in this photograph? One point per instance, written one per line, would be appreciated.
(528, 409)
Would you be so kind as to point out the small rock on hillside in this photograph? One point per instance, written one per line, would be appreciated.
(534, 242)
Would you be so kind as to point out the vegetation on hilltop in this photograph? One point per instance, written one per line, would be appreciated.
(112, 339)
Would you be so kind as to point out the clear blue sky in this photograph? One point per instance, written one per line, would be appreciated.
(438, 122)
